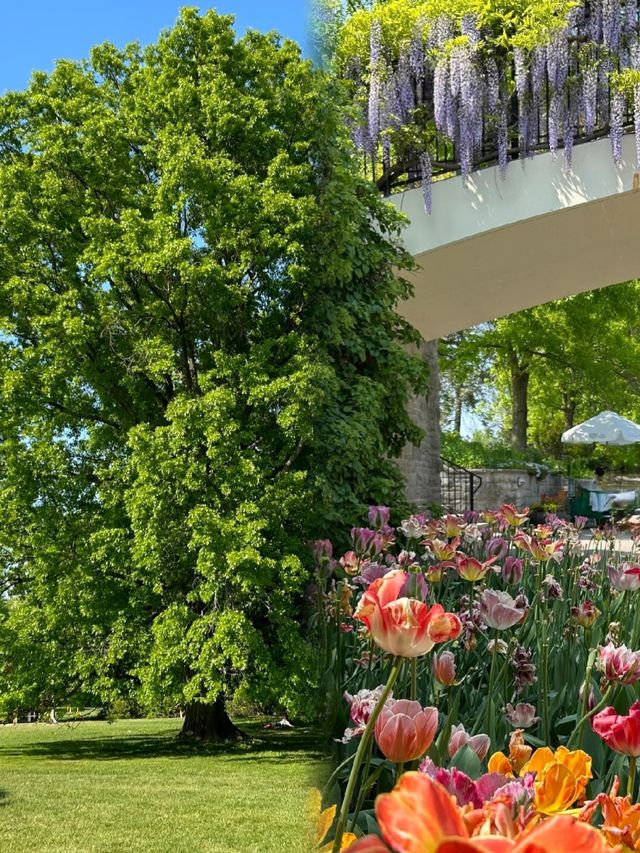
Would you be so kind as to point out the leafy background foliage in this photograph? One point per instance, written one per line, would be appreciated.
(200, 367)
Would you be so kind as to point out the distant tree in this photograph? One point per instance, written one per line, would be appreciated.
(201, 369)
(552, 365)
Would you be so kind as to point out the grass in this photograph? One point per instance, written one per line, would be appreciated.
(132, 787)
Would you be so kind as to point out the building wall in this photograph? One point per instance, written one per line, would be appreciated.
(515, 486)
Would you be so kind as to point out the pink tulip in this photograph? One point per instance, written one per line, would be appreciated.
(498, 610)
(460, 737)
(405, 730)
(522, 716)
(624, 577)
(361, 705)
(404, 626)
(512, 569)
(443, 667)
(619, 664)
(379, 516)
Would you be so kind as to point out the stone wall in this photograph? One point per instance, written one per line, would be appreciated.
(421, 465)
(515, 486)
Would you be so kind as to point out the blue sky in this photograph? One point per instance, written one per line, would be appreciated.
(34, 34)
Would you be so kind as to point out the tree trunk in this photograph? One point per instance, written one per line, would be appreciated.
(457, 412)
(421, 466)
(209, 722)
(569, 409)
(519, 408)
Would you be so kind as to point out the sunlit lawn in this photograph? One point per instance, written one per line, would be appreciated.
(131, 786)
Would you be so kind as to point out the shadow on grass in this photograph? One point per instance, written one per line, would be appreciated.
(263, 746)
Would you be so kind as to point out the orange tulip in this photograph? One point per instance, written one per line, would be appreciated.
(561, 778)
(620, 819)
(519, 754)
(404, 626)
(419, 816)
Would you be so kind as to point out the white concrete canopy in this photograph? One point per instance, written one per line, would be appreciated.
(497, 246)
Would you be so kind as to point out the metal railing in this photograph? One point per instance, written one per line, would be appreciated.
(459, 485)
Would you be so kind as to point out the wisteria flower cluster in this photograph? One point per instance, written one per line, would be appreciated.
(495, 84)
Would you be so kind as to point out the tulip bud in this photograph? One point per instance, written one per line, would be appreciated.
(379, 516)
(443, 667)
(460, 737)
(512, 570)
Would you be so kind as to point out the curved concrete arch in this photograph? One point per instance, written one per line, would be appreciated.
(496, 246)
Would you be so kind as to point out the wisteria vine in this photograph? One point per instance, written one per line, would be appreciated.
(454, 81)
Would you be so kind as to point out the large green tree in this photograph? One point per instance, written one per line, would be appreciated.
(200, 369)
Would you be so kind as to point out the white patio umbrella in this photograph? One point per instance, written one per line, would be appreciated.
(605, 428)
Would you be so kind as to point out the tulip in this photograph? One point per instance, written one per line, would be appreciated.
(322, 550)
(512, 517)
(414, 527)
(361, 705)
(498, 547)
(522, 716)
(443, 667)
(620, 733)
(451, 526)
(501, 647)
(620, 819)
(379, 516)
(541, 550)
(457, 783)
(363, 540)
(561, 778)
(404, 626)
(460, 737)
(420, 816)
(585, 614)
(579, 521)
(442, 550)
(471, 569)
(554, 590)
(350, 563)
(498, 610)
(624, 577)
(512, 569)
(405, 730)
(619, 664)
(519, 754)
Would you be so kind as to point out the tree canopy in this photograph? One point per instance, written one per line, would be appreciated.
(200, 367)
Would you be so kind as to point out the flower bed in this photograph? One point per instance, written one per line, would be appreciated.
(482, 686)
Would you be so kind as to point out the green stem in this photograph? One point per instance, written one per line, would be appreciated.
(399, 770)
(577, 732)
(492, 675)
(631, 782)
(414, 678)
(362, 748)
(365, 776)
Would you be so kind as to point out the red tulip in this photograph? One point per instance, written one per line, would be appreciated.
(404, 626)
(405, 730)
(620, 733)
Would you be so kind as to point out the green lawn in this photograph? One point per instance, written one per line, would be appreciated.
(131, 786)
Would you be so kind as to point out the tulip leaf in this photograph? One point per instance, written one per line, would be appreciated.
(466, 760)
